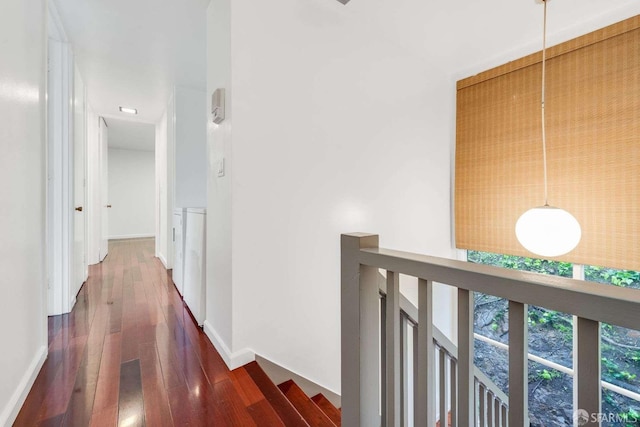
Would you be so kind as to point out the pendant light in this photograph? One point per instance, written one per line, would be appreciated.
(546, 230)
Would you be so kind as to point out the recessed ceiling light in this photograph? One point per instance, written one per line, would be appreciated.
(129, 110)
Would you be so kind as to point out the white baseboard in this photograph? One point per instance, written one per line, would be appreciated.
(131, 236)
(232, 360)
(279, 374)
(162, 260)
(12, 408)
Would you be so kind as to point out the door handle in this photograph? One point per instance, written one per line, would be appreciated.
(79, 208)
(107, 206)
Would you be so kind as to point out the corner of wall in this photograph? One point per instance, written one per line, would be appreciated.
(233, 360)
(163, 260)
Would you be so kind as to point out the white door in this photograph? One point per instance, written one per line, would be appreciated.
(79, 185)
(60, 171)
(57, 141)
(104, 187)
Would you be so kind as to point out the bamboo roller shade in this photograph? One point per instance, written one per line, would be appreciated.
(593, 147)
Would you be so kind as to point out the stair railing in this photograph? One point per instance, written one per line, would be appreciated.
(491, 402)
(365, 397)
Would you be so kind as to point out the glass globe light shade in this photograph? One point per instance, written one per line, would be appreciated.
(548, 231)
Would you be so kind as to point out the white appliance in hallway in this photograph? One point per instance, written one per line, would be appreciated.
(194, 262)
(179, 229)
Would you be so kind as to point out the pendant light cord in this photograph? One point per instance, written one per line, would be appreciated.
(544, 72)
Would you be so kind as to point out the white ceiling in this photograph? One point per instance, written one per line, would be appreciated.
(132, 52)
(130, 135)
(463, 37)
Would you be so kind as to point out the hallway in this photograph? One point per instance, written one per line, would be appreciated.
(129, 354)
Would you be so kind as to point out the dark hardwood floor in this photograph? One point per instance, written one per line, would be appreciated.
(129, 354)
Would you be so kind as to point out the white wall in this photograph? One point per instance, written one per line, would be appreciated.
(22, 210)
(218, 324)
(131, 193)
(94, 205)
(343, 120)
(351, 135)
(334, 130)
(190, 147)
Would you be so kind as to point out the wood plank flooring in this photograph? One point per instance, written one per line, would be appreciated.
(129, 354)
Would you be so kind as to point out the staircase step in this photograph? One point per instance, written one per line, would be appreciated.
(263, 414)
(285, 410)
(327, 407)
(305, 406)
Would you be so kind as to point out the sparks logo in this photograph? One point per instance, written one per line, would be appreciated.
(580, 417)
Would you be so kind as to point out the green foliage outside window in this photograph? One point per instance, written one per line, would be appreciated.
(620, 347)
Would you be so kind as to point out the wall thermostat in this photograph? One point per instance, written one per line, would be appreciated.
(217, 105)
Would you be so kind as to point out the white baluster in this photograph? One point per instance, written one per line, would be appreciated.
(444, 385)
(454, 393)
(490, 399)
(482, 404)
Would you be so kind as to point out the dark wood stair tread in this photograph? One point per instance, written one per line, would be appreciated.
(305, 406)
(327, 407)
(285, 410)
(263, 414)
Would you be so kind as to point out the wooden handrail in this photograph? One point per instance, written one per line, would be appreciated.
(589, 300)
(361, 259)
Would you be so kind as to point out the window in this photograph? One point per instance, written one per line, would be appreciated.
(620, 350)
(551, 346)
(593, 140)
